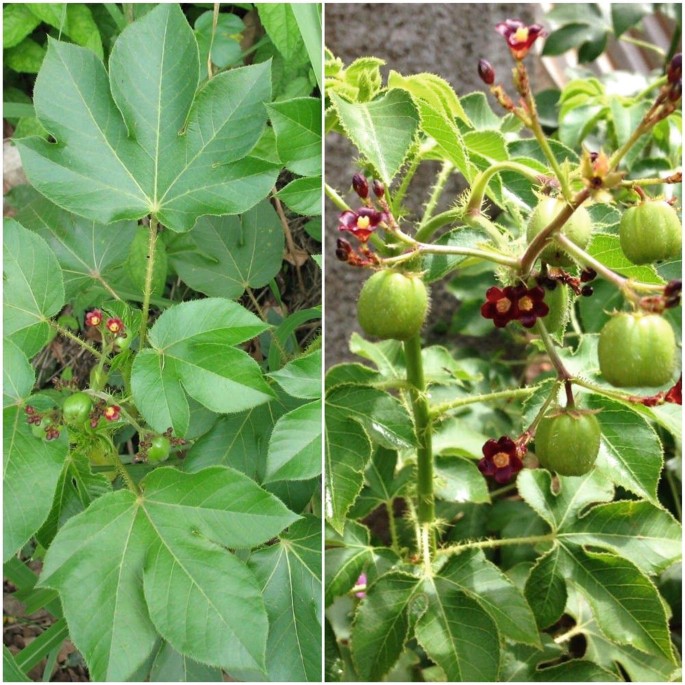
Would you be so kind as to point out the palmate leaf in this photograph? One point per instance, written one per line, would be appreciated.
(624, 601)
(143, 139)
(192, 352)
(290, 575)
(131, 569)
(33, 289)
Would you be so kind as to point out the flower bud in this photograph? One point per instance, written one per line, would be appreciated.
(342, 249)
(378, 189)
(675, 68)
(360, 186)
(486, 72)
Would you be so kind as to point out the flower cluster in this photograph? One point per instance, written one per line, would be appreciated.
(519, 37)
(361, 223)
(556, 275)
(501, 459)
(673, 396)
(514, 303)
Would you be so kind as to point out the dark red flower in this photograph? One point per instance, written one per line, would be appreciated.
(675, 394)
(115, 325)
(500, 305)
(94, 317)
(531, 306)
(501, 460)
(112, 412)
(361, 223)
(519, 37)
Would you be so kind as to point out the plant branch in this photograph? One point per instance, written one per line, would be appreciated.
(438, 189)
(642, 44)
(406, 180)
(547, 341)
(68, 334)
(426, 230)
(288, 237)
(423, 248)
(149, 272)
(496, 542)
(333, 195)
(444, 407)
(424, 436)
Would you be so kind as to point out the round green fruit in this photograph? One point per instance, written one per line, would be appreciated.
(159, 449)
(650, 232)
(568, 442)
(392, 305)
(76, 409)
(578, 229)
(637, 350)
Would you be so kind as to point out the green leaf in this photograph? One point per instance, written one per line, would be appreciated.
(72, 19)
(295, 446)
(18, 375)
(344, 564)
(489, 144)
(519, 661)
(281, 26)
(647, 535)
(17, 22)
(308, 18)
(32, 468)
(290, 575)
(303, 196)
(575, 671)
(382, 623)
(382, 130)
(607, 249)
(297, 124)
(631, 454)
(302, 376)
(192, 352)
(171, 666)
(459, 480)
(625, 604)
(457, 633)
(89, 253)
(173, 538)
(10, 670)
(439, 265)
(625, 15)
(546, 589)
(26, 58)
(33, 287)
(570, 36)
(223, 256)
(471, 573)
(188, 157)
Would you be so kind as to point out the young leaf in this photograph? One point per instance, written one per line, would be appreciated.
(303, 195)
(18, 375)
(546, 589)
(33, 287)
(302, 376)
(188, 156)
(382, 130)
(192, 352)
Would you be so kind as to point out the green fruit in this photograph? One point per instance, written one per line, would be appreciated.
(392, 305)
(637, 350)
(650, 232)
(568, 442)
(76, 409)
(578, 229)
(558, 302)
(159, 449)
(123, 342)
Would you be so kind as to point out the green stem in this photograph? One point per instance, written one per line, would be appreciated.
(422, 423)
(547, 341)
(482, 180)
(657, 84)
(394, 541)
(333, 195)
(497, 542)
(438, 189)
(121, 469)
(437, 222)
(626, 285)
(406, 180)
(68, 334)
(616, 158)
(444, 407)
(538, 243)
(503, 490)
(482, 222)
(637, 182)
(642, 44)
(675, 492)
(147, 292)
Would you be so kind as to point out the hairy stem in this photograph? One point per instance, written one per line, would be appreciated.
(547, 341)
(438, 188)
(497, 542)
(406, 180)
(335, 197)
(149, 272)
(424, 452)
(68, 334)
(444, 407)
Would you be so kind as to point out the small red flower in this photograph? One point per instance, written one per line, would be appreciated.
(501, 459)
(675, 394)
(500, 304)
(94, 317)
(115, 325)
(360, 585)
(112, 412)
(531, 306)
(361, 223)
(519, 37)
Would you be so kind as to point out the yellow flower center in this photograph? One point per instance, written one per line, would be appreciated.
(525, 304)
(501, 460)
(503, 305)
(363, 222)
(521, 35)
